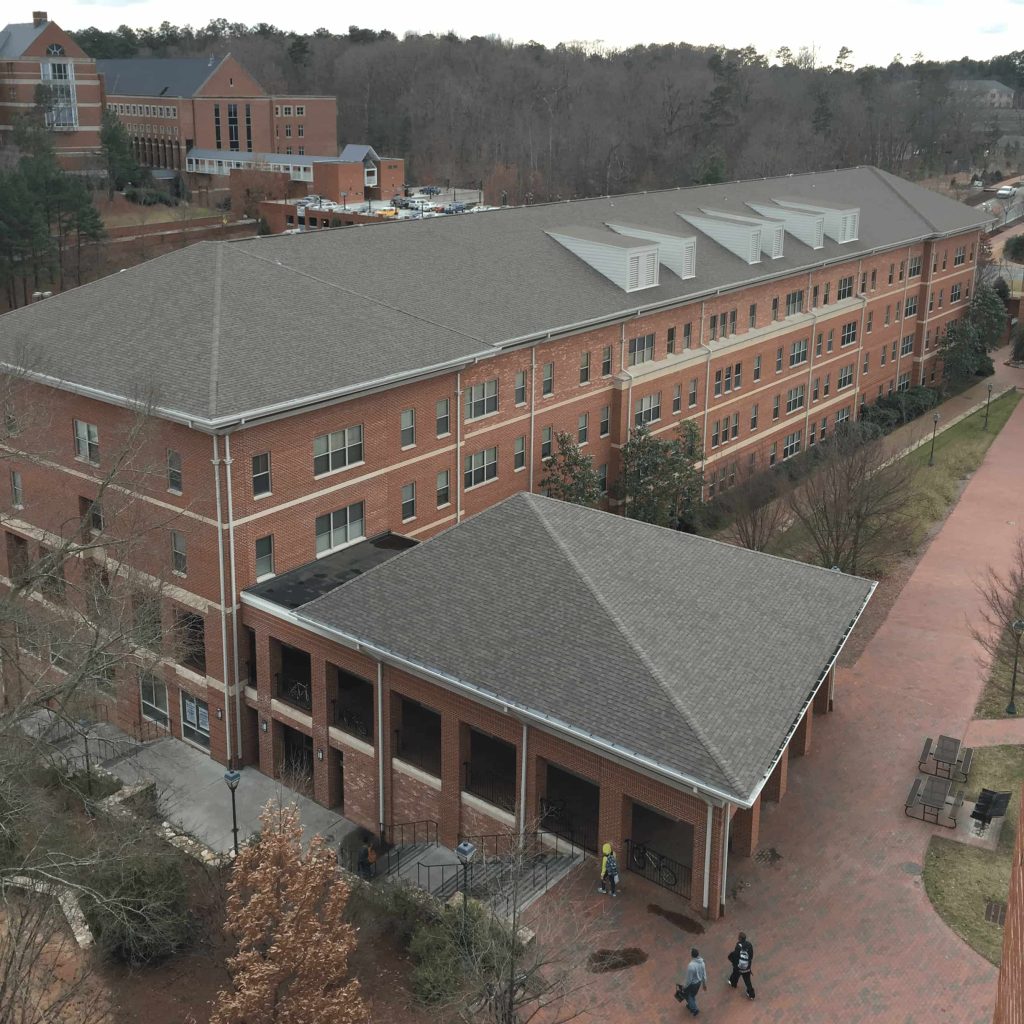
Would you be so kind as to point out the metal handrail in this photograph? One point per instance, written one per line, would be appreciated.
(423, 831)
(297, 692)
(656, 867)
(532, 842)
(489, 785)
(558, 820)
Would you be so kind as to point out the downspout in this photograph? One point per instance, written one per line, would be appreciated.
(220, 580)
(533, 408)
(458, 447)
(725, 852)
(707, 855)
(522, 787)
(380, 745)
(234, 591)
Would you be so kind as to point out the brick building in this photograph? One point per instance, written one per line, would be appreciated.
(1010, 994)
(174, 104)
(309, 391)
(40, 53)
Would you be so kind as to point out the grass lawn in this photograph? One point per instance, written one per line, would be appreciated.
(935, 489)
(960, 879)
(994, 698)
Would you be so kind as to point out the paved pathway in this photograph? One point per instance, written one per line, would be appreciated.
(841, 924)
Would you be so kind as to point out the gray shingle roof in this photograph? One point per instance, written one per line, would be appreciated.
(156, 76)
(16, 38)
(312, 314)
(693, 654)
(356, 154)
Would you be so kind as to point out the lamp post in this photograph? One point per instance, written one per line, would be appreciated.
(465, 851)
(988, 402)
(935, 427)
(1018, 631)
(232, 779)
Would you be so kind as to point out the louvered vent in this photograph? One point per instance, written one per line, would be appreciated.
(677, 252)
(631, 263)
(841, 223)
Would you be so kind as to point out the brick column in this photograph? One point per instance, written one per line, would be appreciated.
(822, 705)
(800, 744)
(713, 909)
(609, 818)
(451, 778)
(387, 702)
(321, 769)
(775, 787)
(264, 691)
(745, 829)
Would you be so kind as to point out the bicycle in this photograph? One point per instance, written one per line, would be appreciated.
(642, 859)
(354, 723)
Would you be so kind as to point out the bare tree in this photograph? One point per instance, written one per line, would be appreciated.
(1002, 596)
(853, 503)
(758, 509)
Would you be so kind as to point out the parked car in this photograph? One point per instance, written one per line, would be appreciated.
(1006, 191)
(400, 203)
(430, 190)
(455, 208)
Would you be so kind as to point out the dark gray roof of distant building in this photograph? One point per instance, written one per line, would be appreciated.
(300, 586)
(671, 649)
(16, 38)
(224, 331)
(159, 77)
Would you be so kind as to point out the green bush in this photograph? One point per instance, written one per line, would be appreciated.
(139, 908)
(1014, 249)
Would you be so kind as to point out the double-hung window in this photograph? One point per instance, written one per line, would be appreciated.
(443, 489)
(17, 491)
(583, 428)
(519, 454)
(265, 556)
(794, 303)
(481, 399)
(408, 502)
(548, 385)
(907, 345)
(87, 441)
(336, 450)
(481, 467)
(179, 553)
(791, 446)
(261, 474)
(647, 409)
(911, 307)
(798, 353)
(641, 350)
(606, 413)
(849, 334)
(606, 360)
(691, 396)
(753, 417)
(845, 378)
(173, 471)
(336, 529)
(795, 399)
(757, 368)
(677, 398)
(408, 428)
(845, 288)
(442, 417)
(520, 396)
(584, 367)
(153, 696)
(545, 442)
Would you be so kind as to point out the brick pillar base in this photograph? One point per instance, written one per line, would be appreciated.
(800, 744)
(744, 831)
(775, 787)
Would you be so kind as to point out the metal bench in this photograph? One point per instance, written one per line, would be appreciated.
(912, 796)
(925, 754)
(964, 766)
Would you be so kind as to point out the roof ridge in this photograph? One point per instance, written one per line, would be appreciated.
(363, 295)
(215, 340)
(884, 179)
(537, 501)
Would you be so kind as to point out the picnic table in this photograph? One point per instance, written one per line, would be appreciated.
(948, 760)
(931, 795)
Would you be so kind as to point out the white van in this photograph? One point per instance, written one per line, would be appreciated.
(1006, 191)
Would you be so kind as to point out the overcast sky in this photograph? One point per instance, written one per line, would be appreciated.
(875, 30)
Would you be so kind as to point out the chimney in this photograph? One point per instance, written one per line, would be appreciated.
(38, 18)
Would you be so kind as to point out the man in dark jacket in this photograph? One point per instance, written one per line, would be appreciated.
(742, 959)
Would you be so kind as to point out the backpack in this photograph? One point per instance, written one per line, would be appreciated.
(611, 865)
(743, 959)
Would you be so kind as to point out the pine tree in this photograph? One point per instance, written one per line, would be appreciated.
(122, 167)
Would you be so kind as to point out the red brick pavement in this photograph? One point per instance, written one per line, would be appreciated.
(842, 927)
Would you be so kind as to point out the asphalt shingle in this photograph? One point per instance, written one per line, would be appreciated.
(695, 655)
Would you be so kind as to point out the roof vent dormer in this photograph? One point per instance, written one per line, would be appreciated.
(808, 228)
(842, 223)
(677, 252)
(631, 263)
(773, 232)
(740, 235)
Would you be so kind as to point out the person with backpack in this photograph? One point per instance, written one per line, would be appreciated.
(742, 959)
(609, 870)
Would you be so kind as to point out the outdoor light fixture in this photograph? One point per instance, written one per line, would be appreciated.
(935, 427)
(988, 402)
(220, 714)
(263, 725)
(1018, 631)
(320, 754)
(232, 779)
(466, 851)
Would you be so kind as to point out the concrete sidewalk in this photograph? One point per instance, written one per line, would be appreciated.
(192, 794)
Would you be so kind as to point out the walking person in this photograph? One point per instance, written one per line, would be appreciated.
(742, 959)
(363, 860)
(696, 978)
(609, 870)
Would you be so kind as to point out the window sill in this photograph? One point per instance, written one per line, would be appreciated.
(176, 493)
(181, 575)
(441, 437)
(340, 547)
(447, 504)
(86, 462)
(266, 576)
(408, 447)
(409, 519)
(483, 483)
(340, 469)
(156, 721)
(265, 494)
(519, 469)
(483, 416)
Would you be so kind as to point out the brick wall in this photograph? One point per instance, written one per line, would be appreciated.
(1010, 993)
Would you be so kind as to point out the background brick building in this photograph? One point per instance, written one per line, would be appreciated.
(306, 392)
(40, 53)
